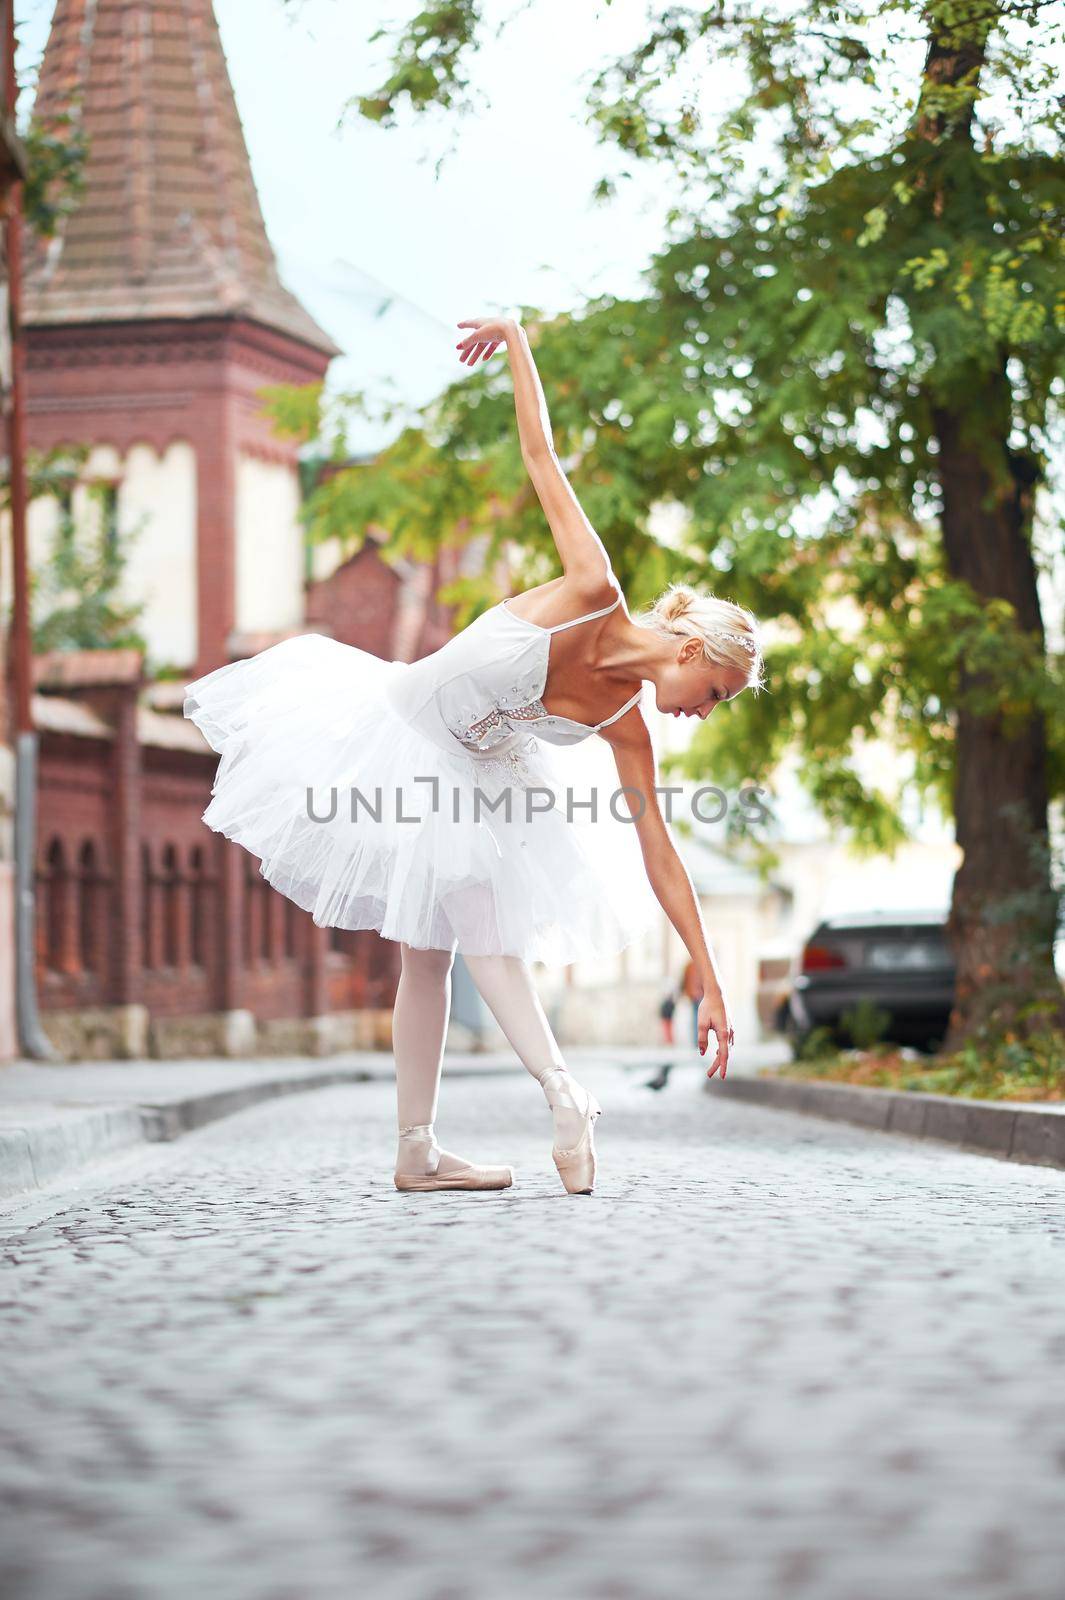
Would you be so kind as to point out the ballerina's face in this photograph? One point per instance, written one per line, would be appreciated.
(691, 687)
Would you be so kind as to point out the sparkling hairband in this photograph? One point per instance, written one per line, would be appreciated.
(743, 639)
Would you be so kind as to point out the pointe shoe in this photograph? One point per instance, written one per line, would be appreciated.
(459, 1175)
(576, 1166)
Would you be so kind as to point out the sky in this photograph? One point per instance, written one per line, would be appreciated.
(387, 254)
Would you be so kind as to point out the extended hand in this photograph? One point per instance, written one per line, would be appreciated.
(714, 1018)
(485, 340)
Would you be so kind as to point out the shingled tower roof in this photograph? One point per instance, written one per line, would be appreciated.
(169, 224)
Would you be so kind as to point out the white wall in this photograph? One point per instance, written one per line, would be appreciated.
(157, 511)
(159, 492)
(269, 547)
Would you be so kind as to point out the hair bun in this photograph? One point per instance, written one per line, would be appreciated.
(676, 602)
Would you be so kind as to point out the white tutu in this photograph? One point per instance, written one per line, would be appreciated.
(333, 790)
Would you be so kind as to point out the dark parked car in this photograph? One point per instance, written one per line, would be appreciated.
(897, 961)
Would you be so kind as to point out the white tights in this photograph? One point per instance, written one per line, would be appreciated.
(419, 1029)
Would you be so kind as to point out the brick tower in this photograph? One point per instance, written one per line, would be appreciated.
(153, 319)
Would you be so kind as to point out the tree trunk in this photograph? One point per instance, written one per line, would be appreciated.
(1003, 911)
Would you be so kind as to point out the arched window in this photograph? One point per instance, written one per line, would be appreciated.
(271, 912)
(291, 946)
(91, 932)
(198, 891)
(147, 908)
(54, 908)
(171, 911)
(252, 911)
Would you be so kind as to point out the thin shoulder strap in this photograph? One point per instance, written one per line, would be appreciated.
(572, 623)
(622, 709)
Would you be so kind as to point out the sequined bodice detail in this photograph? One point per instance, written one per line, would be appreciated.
(514, 708)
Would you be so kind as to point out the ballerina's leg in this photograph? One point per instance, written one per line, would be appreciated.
(419, 1032)
(505, 983)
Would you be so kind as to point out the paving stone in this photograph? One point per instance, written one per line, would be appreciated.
(769, 1357)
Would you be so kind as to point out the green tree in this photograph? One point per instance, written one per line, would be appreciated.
(55, 177)
(846, 368)
(75, 602)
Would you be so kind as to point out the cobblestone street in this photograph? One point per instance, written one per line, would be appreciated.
(769, 1357)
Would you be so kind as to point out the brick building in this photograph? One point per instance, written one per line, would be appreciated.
(12, 169)
(153, 320)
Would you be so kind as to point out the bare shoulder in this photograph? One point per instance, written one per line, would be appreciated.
(578, 591)
(591, 585)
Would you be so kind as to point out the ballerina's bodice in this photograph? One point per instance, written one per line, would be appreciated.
(482, 689)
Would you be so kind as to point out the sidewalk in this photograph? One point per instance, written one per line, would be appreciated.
(54, 1119)
(1027, 1131)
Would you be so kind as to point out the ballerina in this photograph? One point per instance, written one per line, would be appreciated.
(451, 836)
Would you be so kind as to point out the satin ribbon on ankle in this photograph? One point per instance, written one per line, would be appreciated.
(423, 1133)
(563, 1097)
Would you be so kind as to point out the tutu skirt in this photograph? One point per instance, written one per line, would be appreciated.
(365, 822)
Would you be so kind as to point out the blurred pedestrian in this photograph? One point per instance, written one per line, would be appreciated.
(665, 1011)
(692, 990)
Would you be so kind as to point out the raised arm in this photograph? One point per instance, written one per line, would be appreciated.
(630, 739)
(581, 551)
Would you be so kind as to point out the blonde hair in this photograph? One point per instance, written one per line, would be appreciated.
(730, 634)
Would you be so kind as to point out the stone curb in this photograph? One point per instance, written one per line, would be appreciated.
(162, 1123)
(39, 1151)
(1011, 1132)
